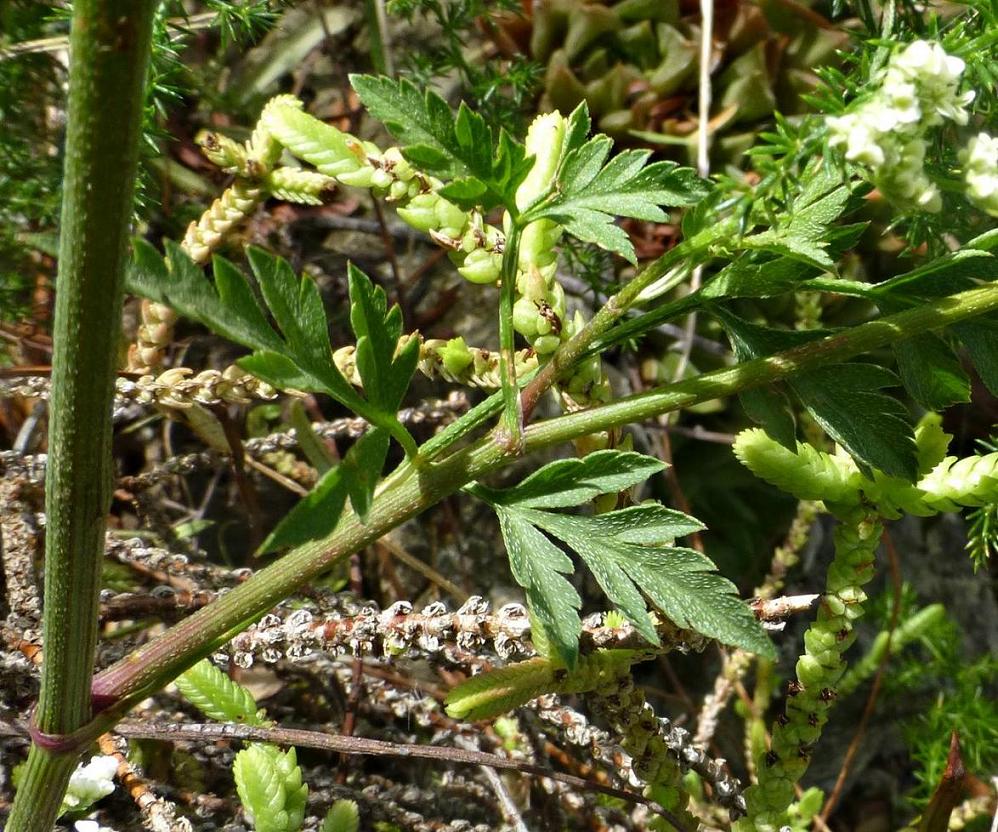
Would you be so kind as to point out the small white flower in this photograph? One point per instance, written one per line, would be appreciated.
(900, 104)
(905, 182)
(90, 826)
(923, 61)
(91, 782)
(936, 76)
(860, 138)
(885, 133)
(980, 160)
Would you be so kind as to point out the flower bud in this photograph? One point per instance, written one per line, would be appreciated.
(362, 177)
(546, 344)
(449, 215)
(455, 356)
(545, 140)
(381, 178)
(530, 283)
(809, 671)
(481, 266)
(398, 164)
(420, 213)
(525, 318)
(818, 641)
(397, 190)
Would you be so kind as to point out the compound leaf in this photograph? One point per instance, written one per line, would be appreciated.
(460, 147)
(680, 582)
(874, 428)
(228, 308)
(591, 192)
(540, 568)
(630, 552)
(298, 356)
(218, 697)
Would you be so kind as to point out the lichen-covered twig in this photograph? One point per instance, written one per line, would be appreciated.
(158, 814)
(435, 630)
(19, 546)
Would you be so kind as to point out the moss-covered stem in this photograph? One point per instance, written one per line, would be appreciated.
(109, 48)
(406, 493)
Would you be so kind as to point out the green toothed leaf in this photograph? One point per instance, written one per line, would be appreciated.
(270, 787)
(540, 568)
(317, 513)
(845, 399)
(342, 816)
(591, 193)
(571, 482)
(298, 356)
(931, 372)
(630, 552)
(461, 147)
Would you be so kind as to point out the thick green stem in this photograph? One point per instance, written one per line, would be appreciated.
(109, 47)
(407, 492)
(760, 371)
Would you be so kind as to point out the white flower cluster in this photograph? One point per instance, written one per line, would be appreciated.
(90, 783)
(886, 133)
(980, 163)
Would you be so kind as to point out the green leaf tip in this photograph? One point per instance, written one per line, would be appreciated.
(343, 816)
(591, 193)
(269, 785)
(457, 147)
(217, 696)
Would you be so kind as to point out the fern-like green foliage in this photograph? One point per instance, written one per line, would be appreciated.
(299, 357)
(217, 696)
(269, 784)
(629, 552)
(485, 171)
(590, 193)
(268, 780)
(807, 474)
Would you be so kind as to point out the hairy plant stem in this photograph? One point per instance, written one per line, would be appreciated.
(511, 431)
(409, 491)
(109, 47)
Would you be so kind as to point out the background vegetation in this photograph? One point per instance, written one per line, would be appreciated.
(206, 470)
